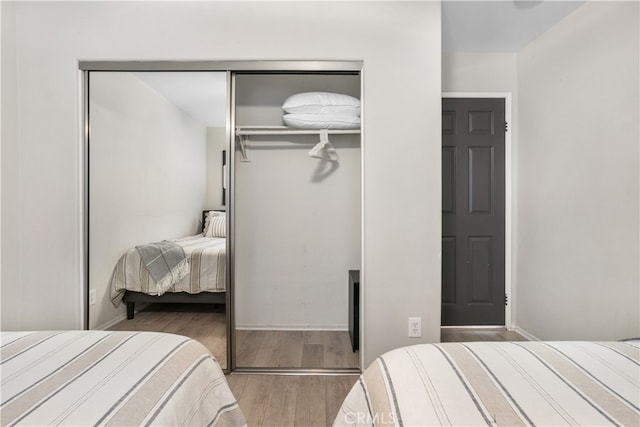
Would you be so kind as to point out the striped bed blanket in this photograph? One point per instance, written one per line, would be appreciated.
(208, 265)
(499, 384)
(81, 378)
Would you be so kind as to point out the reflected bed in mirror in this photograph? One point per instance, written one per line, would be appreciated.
(204, 282)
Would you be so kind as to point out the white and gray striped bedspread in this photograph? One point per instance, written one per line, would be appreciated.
(207, 257)
(499, 383)
(82, 378)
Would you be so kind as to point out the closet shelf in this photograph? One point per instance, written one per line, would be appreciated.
(284, 130)
(243, 133)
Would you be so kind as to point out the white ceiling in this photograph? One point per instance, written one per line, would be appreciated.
(498, 26)
(200, 94)
(467, 26)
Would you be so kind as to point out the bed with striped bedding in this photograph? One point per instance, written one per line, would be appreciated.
(499, 383)
(207, 258)
(83, 378)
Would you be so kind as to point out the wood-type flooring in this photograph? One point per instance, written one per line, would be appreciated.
(255, 348)
(290, 400)
(295, 349)
(273, 400)
(280, 400)
(479, 334)
(203, 322)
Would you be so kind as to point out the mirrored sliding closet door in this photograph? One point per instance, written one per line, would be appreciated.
(157, 145)
(297, 216)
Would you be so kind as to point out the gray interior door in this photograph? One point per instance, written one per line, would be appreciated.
(473, 206)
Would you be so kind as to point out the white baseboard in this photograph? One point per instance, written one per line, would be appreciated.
(292, 328)
(525, 334)
(120, 318)
(112, 322)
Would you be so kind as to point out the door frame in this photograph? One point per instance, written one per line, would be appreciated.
(508, 200)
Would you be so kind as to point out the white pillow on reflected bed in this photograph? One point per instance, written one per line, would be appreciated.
(321, 121)
(322, 103)
(215, 224)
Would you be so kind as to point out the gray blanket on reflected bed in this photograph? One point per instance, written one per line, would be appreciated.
(166, 263)
(207, 262)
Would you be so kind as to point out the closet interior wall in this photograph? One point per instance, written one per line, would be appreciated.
(297, 219)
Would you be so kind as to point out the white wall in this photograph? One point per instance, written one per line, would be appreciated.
(578, 177)
(216, 143)
(297, 219)
(297, 235)
(147, 176)
(10, 193)
(400, 46)
(479, 72)
(492, 73)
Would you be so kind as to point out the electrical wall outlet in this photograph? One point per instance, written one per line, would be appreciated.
(415, 327)
(92, 297)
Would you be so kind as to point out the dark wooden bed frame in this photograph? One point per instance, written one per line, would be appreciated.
(132, 297)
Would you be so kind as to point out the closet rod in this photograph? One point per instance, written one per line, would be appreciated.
(289, 131)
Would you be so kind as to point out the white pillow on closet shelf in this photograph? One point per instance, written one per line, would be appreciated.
(322, 103)
(321, 121)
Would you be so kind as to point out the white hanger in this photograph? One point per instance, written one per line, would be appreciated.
(324, 150)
